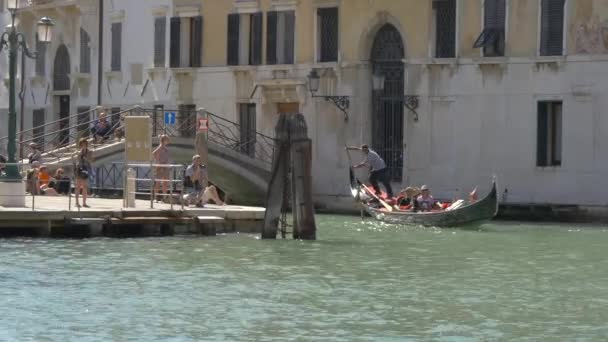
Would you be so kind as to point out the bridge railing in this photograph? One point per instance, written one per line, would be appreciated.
(58, 138)
(222, 132)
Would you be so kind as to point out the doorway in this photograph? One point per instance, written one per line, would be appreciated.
(64, 120)
(388, 107)
(247, 123)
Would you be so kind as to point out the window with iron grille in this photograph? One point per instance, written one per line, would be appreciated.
(328, 36)
(85, 52)
(280, 37)
(492, 38)
(549, 137)
(38, 120)
(445, 28)
(116, 46)
(41, 59)
(186, 44)
(160, 31)
(244, 39)
(552, 28)
(247, 123)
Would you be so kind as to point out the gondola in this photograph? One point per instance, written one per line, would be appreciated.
(467, 213)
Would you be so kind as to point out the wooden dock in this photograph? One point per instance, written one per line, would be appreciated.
(54, 217)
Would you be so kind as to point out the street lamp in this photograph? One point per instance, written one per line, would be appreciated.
(341, 102)
(410, 101)
(14, 40)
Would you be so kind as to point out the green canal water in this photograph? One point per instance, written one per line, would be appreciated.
(362, 281)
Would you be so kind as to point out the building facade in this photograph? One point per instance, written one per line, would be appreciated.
(468, 88)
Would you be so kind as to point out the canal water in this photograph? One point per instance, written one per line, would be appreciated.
(362, 281)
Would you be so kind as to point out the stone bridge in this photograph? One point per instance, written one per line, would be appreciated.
(240, 167)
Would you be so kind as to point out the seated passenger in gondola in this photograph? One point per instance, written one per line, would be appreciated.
(425, 201)
(407, 199)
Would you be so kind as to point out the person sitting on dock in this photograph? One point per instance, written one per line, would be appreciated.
(31, 184)
(196, 177)
(35, 155)
(425, 201)
(60, 182)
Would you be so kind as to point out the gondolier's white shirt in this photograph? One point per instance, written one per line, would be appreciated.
(375, 161)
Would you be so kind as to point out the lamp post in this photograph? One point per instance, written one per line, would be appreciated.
(342, 102)
(409, 101)
(14, 40)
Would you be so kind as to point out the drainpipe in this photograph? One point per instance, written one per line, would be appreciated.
(100, 54)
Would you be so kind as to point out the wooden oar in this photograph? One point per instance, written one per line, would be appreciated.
(371, 192)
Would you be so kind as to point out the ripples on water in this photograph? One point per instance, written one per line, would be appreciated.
(361, 281)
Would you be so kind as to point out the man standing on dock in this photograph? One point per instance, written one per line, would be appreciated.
(379, 172)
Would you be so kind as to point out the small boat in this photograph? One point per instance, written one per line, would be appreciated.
(462, 214)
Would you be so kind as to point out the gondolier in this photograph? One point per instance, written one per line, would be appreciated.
(379, 172)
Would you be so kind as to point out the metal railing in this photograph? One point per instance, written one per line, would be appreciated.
(58, 138)
(145, 179)
(152, 180)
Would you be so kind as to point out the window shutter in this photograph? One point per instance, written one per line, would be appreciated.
(85, 52)
(116, 46)
(329, 34)
(289, 43)
(445, 28)
(196, 44)
(255, 41)
(233, 38)
(41, 60)
(542, 135)
(494, 27)
(174, 45)
(271, 38)
(552, 28)
(160, 28)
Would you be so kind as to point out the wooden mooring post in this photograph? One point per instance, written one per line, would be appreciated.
(291, 179)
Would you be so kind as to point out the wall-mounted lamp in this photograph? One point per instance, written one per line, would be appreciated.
(341, 102)
(409, 101)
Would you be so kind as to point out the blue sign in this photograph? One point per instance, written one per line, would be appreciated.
(170, 118)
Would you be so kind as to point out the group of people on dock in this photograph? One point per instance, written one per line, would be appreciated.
(40, 180)
(196, 192)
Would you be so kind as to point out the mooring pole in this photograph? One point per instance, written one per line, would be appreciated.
(301, 177)
(293, 152)
(276, 186)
